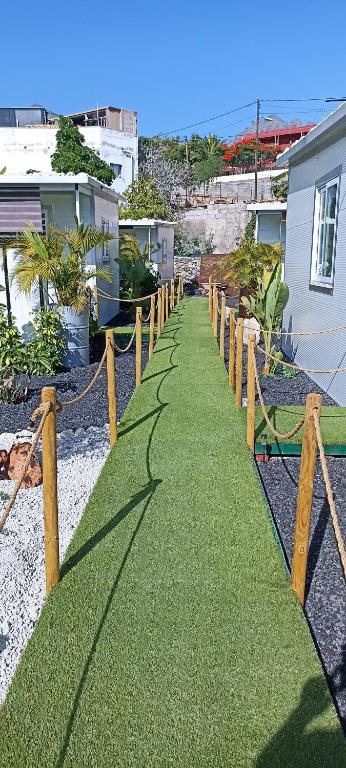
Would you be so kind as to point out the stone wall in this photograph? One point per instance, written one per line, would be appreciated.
(225, 223)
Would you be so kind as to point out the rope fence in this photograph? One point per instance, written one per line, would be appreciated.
(50, 407)
(312, 441)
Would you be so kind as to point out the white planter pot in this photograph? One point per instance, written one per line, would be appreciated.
(76, 332)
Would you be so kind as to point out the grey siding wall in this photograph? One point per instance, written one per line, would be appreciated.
(310, 309)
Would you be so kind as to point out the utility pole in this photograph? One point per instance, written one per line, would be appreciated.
(258, 107)
(187, 169)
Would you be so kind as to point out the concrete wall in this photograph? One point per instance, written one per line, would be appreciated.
(242, 186)
(310, 308)
(225, 223)
(22, 149)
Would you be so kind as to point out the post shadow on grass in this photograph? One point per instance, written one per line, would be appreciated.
(89, 545)
(298, 744)
(145, 494)
(61, 758)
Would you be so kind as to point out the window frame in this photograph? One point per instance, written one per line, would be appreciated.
(316, 280)
(106, 257)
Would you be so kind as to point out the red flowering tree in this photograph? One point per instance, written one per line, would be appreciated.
(242, 153)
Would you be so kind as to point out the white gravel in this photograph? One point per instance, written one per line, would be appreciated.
(81, 455)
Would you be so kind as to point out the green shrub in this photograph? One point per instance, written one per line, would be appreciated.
(47, 343)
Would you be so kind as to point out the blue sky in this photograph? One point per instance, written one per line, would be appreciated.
(177, 62)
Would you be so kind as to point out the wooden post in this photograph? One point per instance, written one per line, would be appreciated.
(96, 303)
(112, 398)
(167, 301)
(162, 306)
(178, 290)
(50, 491)
(210, 298)
(172, 295)
(304, 499)
(215, 311)
(251, 393)
(231, 358)
(239, 361)
(222, 325)
(158, 317)
(138, 345)
(151, 326)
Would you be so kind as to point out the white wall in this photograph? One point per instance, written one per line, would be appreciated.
(308, 307)
(22, 149)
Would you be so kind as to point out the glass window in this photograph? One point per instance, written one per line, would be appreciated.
(324, 233)
(116, 168)
(105, 247)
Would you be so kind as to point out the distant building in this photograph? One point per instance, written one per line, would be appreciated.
(279, 137)
(28, 139)
(158, 235)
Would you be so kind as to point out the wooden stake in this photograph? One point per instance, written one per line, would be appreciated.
(231, 359)
(50, 491)
(162, 306)
(158, 316)
(172, 295)
(152, 326)
(178, 290)
(239, 361)
(96, 303)
(304, 499)
(222, 325)
(210, 297)
(138, 345)
(251, 393)
(215, 311)
(112, 398)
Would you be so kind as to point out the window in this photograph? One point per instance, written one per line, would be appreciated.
(164, 249)
(105, 247)
(324, 234)
(116, 168)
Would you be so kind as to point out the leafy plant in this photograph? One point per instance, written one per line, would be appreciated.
(245, 267)
(249, 233)
(13, 360)
(191, 245)
(47, 343)
(136, 273)
(59, 257)
(280, 186)
(72, 156)
(267, 306)
(144, 201)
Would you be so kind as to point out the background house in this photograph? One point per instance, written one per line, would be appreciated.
(159, 235)
(28, 139)
(315, 263)
(43, 198)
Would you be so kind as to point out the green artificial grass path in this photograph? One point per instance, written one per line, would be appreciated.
(173, 638)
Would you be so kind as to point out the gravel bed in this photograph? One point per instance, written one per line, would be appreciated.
(93, 409)
(280, 389)
(325, 594)
(81, 455)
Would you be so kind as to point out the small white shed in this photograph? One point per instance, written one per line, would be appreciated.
(270, 222)
(159, 235)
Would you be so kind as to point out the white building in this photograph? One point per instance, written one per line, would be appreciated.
(110, 131)
(270, 222)
(39, 199)
(159, 236)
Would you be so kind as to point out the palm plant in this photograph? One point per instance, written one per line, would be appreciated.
(59, 258)
(267, 306)
(245, 267)
(135, 267)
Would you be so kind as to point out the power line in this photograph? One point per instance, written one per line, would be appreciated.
(208, 120)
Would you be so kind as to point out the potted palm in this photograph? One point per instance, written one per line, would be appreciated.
(59, 258)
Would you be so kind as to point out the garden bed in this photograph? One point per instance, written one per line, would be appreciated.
(93, 409)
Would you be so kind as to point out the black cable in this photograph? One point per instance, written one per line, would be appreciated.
(209, 119)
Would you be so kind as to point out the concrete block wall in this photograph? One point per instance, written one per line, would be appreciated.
(225, 223)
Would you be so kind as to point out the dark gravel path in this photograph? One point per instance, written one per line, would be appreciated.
(326, 593)
(92, 410)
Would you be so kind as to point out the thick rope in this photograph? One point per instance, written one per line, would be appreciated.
(105, 295)
(126, 349)
(330, 496)
(44, 409)
(297, 367)
(307, 333)
(270, 426)
(67, 403)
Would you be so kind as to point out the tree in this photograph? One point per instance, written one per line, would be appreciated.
(144, 201)
(172, 178)
(280, 186)
(242, 153)
(60, 258)
(73, 156)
